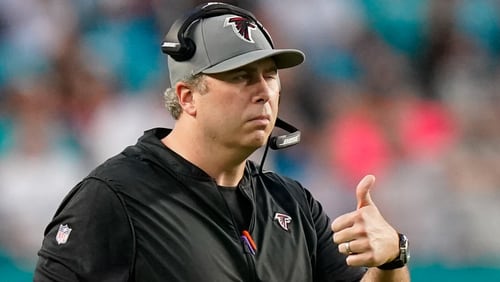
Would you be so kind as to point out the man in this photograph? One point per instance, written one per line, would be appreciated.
(186, 204)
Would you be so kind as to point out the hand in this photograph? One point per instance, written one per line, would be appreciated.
(364, 235)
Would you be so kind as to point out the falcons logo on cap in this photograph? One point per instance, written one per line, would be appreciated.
(283, 220)
(242, 27)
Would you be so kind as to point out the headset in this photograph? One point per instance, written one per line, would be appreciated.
(182, 48)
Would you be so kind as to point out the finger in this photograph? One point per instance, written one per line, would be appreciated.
(342, 222)
(344, 235)
(361, 259)
(363, 191)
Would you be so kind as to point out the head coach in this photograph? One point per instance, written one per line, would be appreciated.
(186, 204)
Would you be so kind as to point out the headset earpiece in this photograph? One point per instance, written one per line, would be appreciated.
(179, 51)
(176, 44)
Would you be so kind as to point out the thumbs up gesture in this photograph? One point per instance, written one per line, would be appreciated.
(364, 235)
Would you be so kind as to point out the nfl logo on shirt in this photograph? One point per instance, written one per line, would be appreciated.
(63, 234)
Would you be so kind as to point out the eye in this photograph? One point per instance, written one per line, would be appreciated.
(271, 75)
(240, 76)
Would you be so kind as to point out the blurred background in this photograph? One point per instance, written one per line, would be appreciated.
(405, 90)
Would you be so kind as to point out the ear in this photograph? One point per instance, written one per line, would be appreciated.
(185, 94)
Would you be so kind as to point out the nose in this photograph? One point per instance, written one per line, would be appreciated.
(263, 90)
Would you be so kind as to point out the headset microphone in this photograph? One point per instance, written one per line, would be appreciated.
(281, 141)
(287, 140)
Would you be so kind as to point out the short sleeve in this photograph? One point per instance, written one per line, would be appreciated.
(89, 238)
(331, 264)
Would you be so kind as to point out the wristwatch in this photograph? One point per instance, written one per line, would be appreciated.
(404, 255)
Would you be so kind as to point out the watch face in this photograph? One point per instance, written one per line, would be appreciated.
(404, 254)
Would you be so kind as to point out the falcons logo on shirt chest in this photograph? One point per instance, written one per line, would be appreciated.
(283, 220)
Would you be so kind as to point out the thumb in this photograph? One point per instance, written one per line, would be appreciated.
(363, 191)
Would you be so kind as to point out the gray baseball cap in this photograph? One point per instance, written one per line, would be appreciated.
(227, 42)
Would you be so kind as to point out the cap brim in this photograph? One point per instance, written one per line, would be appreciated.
(284, 58)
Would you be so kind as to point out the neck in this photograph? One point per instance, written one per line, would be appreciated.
(225, 165)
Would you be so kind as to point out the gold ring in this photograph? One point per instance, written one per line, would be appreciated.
(348, 248)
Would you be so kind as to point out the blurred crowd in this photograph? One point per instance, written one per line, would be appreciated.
(405, 90)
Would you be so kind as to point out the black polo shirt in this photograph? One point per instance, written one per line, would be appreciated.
(147, 214)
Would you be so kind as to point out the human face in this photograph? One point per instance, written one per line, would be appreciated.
(240, 106)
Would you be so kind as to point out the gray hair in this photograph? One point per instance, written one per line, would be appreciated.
(172, 101)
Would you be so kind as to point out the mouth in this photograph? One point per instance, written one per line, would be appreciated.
(262, 120)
